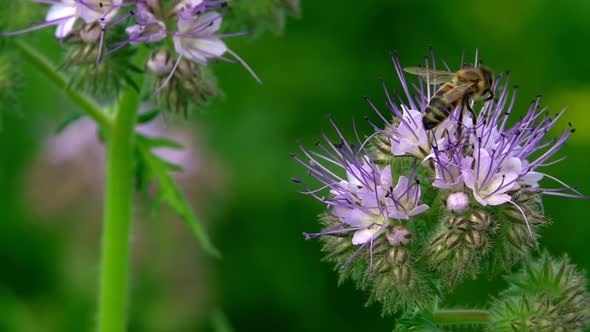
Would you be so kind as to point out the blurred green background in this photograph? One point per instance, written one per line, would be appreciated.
(270, 278)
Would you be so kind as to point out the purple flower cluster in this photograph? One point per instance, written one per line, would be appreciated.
(484, 156)
(476, 163)
(195, 33)
(362, 195)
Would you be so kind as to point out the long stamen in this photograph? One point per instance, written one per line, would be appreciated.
(170, 75)
(38, 26)
(235, 55)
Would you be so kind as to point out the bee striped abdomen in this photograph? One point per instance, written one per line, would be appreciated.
(438, 108)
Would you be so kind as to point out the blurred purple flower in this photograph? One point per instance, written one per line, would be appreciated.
(65, 13)
(75, 159)
(197, 39)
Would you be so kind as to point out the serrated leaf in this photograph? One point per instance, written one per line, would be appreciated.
(68, 121)
(170, 194)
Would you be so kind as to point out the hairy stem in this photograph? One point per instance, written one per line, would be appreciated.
(87, 105)
(117, 218)
(461, 316)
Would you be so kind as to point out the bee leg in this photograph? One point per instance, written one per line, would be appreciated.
(491, 95)
(466, 101)
(464, 104)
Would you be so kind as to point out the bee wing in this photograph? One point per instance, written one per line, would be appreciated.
(457, 92)
(432, 76)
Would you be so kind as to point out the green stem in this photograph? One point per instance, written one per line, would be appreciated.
(118, 215)
(460, 316)
(46, 67)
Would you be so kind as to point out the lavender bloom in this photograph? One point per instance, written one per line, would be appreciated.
(197, 38)
(488, 157)
(64, 15)
(488, 181)
(410, 137)
(448, 171)
(501, 161)
(148, 29)
(365, 201)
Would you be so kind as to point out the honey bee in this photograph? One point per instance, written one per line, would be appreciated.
(469, 83)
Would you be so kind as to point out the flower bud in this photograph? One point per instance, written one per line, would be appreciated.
(337, 246)
(547, 295)
(397, 256)
(480, 220)
(457, 248)
(452, 240)
(402, 274)
(457, 222)
(473, 238)
(515, 215)
(160, 63)
(398, 236)
(518, 236)
(458, 202)
(382, 144)
(90, 33)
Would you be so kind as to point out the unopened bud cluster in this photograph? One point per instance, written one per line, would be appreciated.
(106, 40)
(549, 295)
(411, 212)
(459, 244)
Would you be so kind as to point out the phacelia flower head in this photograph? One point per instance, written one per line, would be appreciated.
(105, 34)
(362, 197)
(445, 200)
(509, 158)
(484, 156)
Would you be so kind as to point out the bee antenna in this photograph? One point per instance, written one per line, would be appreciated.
(462, 58)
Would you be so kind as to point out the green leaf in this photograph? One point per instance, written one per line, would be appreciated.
(148, 116)
(151, 142)
(416, 320)
(170, 194)
(68, 121)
